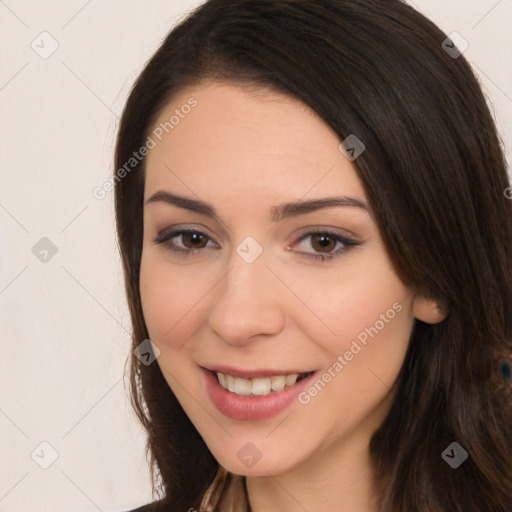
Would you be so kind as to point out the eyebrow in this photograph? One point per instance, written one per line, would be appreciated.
(277, 213)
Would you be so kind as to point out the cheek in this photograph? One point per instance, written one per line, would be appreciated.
(370, 319)
(168, 300)
(364, 303)
(174, 299)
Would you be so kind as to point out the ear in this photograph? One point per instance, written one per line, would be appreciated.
(428, 310)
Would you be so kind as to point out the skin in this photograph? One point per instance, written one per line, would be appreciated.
(245, 153)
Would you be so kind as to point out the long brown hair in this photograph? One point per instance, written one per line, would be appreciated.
(435, 175)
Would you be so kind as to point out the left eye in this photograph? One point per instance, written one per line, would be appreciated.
(325, 242)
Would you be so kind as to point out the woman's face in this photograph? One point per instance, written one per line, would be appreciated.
(253, 297)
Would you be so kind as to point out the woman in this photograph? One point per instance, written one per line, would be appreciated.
(315, 233)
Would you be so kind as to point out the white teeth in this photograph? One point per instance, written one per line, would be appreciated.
(242, 387)
(278, 383)
(261, 386)
(290, 380)
(258, 386)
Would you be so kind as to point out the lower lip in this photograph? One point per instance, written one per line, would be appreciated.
(252, 408)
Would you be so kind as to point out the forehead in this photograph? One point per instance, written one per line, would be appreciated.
(238, 141)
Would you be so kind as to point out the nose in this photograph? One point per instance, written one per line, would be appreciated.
(248, 302)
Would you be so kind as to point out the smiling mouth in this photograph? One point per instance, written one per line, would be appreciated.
(259, 386)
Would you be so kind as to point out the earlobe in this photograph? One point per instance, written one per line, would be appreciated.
(428, 310)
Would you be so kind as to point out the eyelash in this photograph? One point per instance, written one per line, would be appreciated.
(165, 237)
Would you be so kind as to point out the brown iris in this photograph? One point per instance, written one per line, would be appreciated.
(195, 239)
(325, 242)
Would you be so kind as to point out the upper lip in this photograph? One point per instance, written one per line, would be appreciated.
(249, 374)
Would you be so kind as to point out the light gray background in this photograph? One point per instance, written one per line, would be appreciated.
(64, 322)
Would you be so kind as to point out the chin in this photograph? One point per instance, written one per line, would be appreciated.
(247, 460)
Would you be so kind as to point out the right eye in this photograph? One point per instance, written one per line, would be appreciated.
(191, 240)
